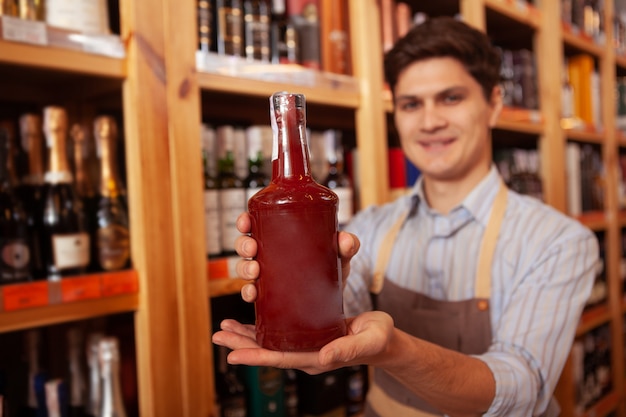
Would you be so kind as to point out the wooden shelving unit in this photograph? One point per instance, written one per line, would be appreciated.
(163, 95)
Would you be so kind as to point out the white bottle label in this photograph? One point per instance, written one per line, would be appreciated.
(71, 250)
(15, 254)
(232, 204)
(344, 214)
(212, 222)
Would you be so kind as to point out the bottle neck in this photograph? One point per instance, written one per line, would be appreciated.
(112, 404)
(291, 157)
(35, 158)
(109, 180)
(81, 180)
(58, 167)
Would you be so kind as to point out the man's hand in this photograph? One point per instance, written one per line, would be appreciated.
(248, 268)
(369, 336)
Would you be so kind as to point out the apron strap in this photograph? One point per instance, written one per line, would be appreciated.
(384, 254)
(488, 247)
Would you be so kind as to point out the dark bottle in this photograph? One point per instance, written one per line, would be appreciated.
(94, 397)
(232, 194)
(205, 25)
(231, 392)
(15, 239)
(109, 360)
(256, 18)
(32, 352)
(230, 27)
(30, 190)
(112, 228)
(85, 190)
(256, 179)
(294, 221)
(65, 241)
(356, 386)
(291, 393)
(77, 385)
(337, 180)
(211, 193)
(283, 35)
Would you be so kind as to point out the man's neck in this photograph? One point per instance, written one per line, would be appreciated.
(443, 195)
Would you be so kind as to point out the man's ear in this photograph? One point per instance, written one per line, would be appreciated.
(495, 104)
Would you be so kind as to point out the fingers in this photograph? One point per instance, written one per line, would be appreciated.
(243, 223)
(348, 247)
(249, 293)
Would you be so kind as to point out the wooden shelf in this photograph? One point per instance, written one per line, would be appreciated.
(225, 286)
(589, 135)
(595, 220)
(592, 318)
(64, 60)
(521, 12)
(606, 405)
(580, 43)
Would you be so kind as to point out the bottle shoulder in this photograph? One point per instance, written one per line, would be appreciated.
(294, 192)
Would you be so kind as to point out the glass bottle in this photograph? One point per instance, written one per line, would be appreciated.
(30, 190)
(211, 193)
(283, 35)
(109, 360)
(294, 220)
(256, 18)
(15, 238)
(112, 228)
(256, 179)
(94, 398)
(232, 194)
(231, 391)
(77, 386)
(65, 241)
(84, 186)
(337, 180)
(229, 27)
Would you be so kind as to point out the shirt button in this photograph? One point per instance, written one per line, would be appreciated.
(483, 305)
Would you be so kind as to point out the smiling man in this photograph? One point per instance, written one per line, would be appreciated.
(463, 295)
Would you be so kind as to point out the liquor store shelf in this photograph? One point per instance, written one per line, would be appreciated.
(42, 303)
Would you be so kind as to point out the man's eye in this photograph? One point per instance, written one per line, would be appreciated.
(452, 98)
(409, 105)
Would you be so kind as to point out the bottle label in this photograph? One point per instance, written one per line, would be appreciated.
(232, 204)
(15, 259)
(71, 250)
(113, 247)
(212, 222)
(345, 211)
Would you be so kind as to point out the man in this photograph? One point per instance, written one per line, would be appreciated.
(478, 290)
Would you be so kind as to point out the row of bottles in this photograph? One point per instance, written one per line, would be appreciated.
(76, 370)
(237, 164)
(90, 16)
(258, 391)
(312, 33)
(54, 221)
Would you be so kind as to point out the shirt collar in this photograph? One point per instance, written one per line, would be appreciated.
(478, 202)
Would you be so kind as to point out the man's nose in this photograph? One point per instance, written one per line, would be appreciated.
(432, 117)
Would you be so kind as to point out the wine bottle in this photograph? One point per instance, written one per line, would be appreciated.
(65, 242)
(15, 240)
(94, 398)
(283, 35)
(256, 18)
(77, 386)
(31, 9)
(85, 190)
(211, 193)
(56, 398)
(30, 190)
(294, 219)
(356, 383)
(232, 194)
(231, 392)
(112, 230)
(32, 340)
(337, 180)
(109, 361)
(229, 27)
(256, 179)
(205, 25)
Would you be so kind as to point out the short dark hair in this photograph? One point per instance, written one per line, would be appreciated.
(440, 37)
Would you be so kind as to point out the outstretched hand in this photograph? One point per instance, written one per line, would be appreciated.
(248, 268)
(369, 336)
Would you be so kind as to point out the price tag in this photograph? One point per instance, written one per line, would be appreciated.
(26, 31)
(122, 282)
(80, 288)
(21, 296)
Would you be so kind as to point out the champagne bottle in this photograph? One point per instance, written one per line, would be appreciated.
(77, 385)
(294, 220)
(94, 401)
(109, 360)
(211, 193)
(283, 35)
(65, 242)
(30, 190)
(85, 190)
(15, 240)
(232, 194)
(337, 180)
(230, 27)
(112, 234)
(257, 30)
(56, 398)
(256, 179)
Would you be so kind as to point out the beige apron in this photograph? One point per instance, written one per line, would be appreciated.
(463, 326)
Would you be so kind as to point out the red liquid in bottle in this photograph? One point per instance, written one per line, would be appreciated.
(294, 221)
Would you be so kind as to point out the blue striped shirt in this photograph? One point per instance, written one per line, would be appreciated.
(542, 274)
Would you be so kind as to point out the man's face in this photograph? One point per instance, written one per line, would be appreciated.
(444, 120)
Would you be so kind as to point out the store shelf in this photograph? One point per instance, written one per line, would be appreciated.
(586, 135)
(595, 220)
(574, 40)
(593, 317)
(42, 302)
(606, 405)
(519, 11)
(225, 286)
